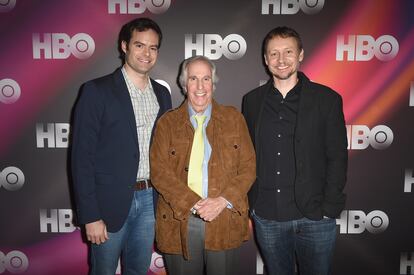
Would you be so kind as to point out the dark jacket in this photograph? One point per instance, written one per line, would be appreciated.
(320, 148)
(231, 172)
(105, 151)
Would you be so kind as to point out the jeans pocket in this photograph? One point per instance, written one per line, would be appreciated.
(256, 218)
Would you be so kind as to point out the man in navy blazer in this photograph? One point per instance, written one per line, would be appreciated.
(298, 130)
(113, 124)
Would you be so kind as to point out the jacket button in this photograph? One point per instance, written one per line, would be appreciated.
(164, 216)
(235, 146)
(173, 152)
(186, 169)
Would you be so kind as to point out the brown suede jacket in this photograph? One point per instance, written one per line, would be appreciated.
(231, 171)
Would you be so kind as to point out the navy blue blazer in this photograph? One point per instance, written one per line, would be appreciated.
(320, 148)
(105, 151)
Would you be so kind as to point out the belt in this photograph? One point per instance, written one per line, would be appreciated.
(142, 185)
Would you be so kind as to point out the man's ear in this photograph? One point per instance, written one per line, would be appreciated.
(301, 55)
(124, 46)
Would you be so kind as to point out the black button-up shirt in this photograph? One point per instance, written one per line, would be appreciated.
(276, 199)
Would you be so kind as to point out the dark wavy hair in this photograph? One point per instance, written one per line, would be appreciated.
(140, 25)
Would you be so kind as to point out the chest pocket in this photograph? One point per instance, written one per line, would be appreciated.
(230, 152)
(177, 153)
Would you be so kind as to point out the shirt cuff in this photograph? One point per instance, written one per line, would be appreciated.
(229, 205)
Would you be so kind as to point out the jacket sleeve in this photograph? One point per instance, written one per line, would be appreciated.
(86, 127)
(248, 116)
(237, 187)
(176, 193)
(337, 160)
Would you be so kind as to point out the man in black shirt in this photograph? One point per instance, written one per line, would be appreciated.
(298, 129)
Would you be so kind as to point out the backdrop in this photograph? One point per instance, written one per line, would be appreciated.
(362, 49)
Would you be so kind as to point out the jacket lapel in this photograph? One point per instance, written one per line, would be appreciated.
(161, 102)
(260, 102)
(184, 129)
(306, 102)
(214, 127)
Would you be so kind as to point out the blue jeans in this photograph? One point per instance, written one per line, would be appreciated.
(313, 243)
(134, 240)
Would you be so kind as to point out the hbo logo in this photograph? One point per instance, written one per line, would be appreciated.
(14, 262)
(355, 222)
(10, 91)
(233, 46)
(11, 178)
(360, 137)
(407, 263)
(7, 5)
(164, 83)
(259, 264)
(408, 180)
(364, 47)
(138, 6)
(56, 135)
(61, 46)
(157, 263)
(292, 6)
(56, 220)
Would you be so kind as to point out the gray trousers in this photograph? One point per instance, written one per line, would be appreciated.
(202, 261)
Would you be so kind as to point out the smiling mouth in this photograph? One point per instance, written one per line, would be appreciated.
(200, 94)
(281, 68)
(144, 61)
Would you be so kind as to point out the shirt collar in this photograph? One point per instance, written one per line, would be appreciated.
(130, 84)
(192, 113)
(295, 90)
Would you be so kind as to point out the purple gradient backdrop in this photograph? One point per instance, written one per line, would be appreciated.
(374, 92)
